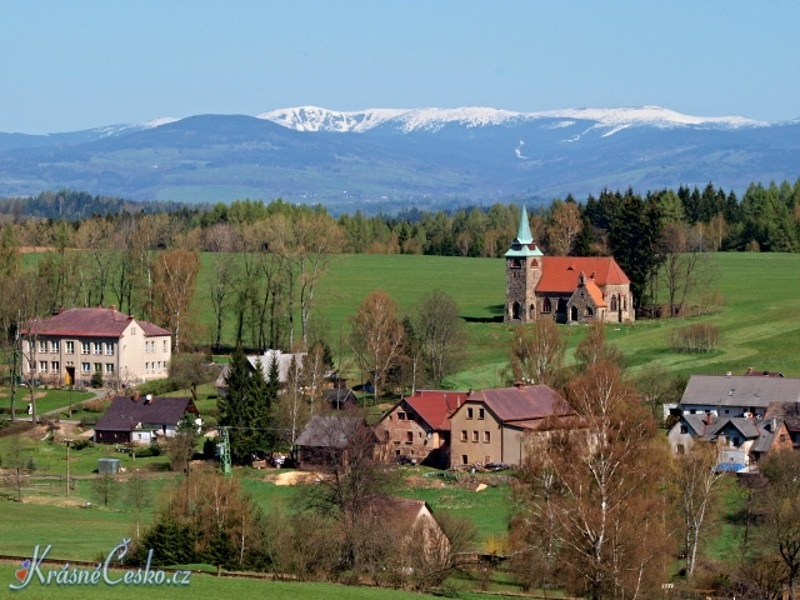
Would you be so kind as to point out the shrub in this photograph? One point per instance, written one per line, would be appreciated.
(700, 337)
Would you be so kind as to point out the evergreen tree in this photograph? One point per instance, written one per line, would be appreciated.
(240, 409)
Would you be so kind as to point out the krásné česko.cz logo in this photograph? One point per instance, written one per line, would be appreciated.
(33, 571)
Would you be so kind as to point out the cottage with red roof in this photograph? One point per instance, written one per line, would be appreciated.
(417, 429)
(69, 347)
(569, 289)
(493, 426)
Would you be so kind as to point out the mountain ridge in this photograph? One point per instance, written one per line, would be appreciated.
(390, 159)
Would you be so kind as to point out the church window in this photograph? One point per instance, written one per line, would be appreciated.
(534, 264)
(546, 306)
(614, 302)
(589, 311)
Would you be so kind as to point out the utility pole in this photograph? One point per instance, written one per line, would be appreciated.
(67, 442)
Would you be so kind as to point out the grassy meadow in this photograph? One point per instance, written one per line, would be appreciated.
(759, 320)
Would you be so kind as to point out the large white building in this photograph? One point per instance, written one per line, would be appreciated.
(68, 348)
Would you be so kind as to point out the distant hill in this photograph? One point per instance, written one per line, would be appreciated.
(388, 159)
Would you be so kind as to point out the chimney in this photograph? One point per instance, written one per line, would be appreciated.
(135, 396)
(148, 399)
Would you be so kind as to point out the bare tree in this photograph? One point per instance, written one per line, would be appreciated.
(565, 225)
(174, 276)
(440, 334)
(377, 337)
(697, 486)
(537, 352)
(602, 510)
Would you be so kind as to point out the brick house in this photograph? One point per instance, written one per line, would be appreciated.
(568, 289)
(69, 347)
(492, 426)
(417, 428)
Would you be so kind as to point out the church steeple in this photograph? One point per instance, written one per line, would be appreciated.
(524, 245)
(524, 232)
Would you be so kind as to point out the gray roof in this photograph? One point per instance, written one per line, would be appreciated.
(329, 431)
(284, 364)
(747, 427)
(740, 391)
(126, 413)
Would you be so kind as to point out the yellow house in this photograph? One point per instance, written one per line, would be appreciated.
(71, 346)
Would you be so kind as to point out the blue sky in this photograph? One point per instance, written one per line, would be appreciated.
(74, 65)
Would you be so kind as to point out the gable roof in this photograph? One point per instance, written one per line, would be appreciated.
(740, 391)
(522, 403)
(329, 431)
(436, 406)
(284, 360)
(126, 413)
(560, 273)
(595, 294)
(94, 322)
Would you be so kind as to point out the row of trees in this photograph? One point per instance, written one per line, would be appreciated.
(270, 257)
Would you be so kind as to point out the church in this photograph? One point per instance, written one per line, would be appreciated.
(569, 289)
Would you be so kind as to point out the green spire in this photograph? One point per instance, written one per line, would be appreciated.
(524, 233)
(523, 245)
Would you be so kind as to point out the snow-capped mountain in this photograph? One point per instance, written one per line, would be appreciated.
(394, 158)
(313, 118)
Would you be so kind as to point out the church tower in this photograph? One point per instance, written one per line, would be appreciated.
(523, 271)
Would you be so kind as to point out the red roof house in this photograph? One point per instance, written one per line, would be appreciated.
(417, 429)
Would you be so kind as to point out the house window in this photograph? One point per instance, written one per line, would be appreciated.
(42, 346)
(110, 349)
(481, 413)
(782, 438)
(133, 330)
(54, 346)
(681, 449)
(166, 346)
(401, 416)
(109, 368)
(54, 366)
(98, 348)
(386, 435)
(84, 347)
(475, 436)
(684, 429)
(43, 366)
(463, 435)
(98, 367)
(469, 413)
(70, 347)
(464, 459)
(86, 367)
(409, 437)
(487, 437)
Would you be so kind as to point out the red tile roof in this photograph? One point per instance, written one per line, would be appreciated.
(436, 406)
(522, 403)
(596, 294)
(94, 322)
(560, 273)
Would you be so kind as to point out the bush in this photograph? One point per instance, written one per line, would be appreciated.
(700, 337)
(97, 380)
(81, 443)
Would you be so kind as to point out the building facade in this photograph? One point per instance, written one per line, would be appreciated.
(70, 347)
(568, 289)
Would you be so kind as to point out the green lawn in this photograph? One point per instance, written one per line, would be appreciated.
(201, 587)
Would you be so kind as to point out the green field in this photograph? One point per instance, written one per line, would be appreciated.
(201, 586)
(759, 320)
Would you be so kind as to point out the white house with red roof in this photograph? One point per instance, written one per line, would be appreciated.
(569, 289)
(417, 429)
(69, 347)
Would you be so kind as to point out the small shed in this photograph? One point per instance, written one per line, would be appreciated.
(108, 466)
